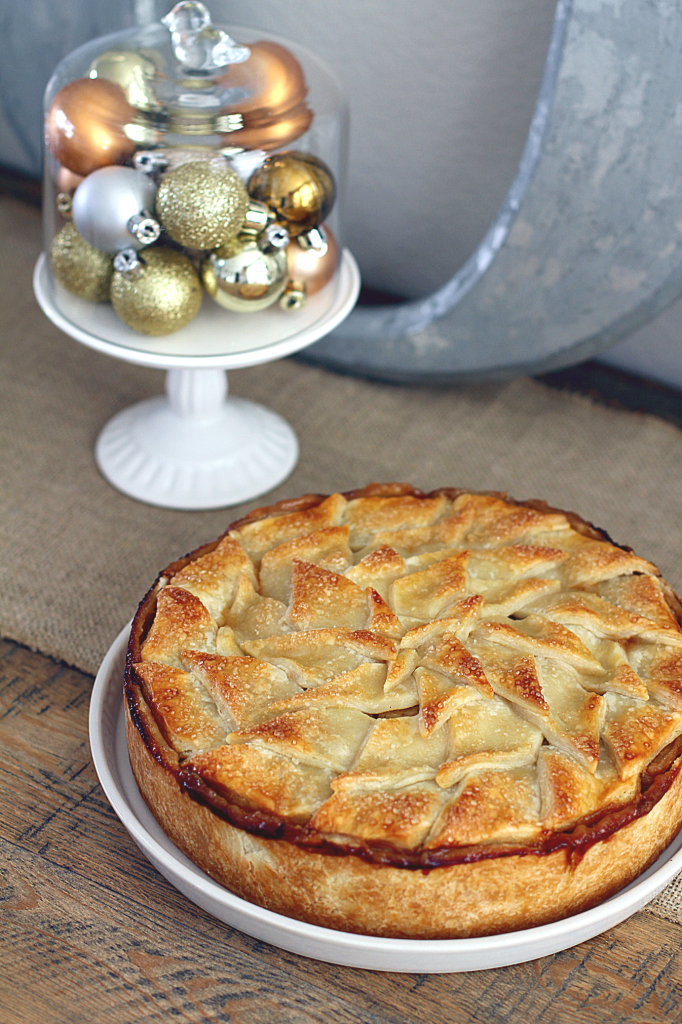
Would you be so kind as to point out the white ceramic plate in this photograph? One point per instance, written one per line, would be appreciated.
(423, 956)
(215, 337)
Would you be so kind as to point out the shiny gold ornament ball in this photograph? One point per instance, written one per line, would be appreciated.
(85, 124)
(165, 296)
(313, 267)
(132, 71)
(244, 278)
(79, 267)
(298, 188)
(201, 205)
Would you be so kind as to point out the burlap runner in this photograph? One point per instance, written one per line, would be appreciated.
(76, 556)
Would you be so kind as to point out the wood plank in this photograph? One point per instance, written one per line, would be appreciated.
(91, 932)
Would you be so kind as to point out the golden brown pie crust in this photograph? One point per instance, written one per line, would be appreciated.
(452, 880)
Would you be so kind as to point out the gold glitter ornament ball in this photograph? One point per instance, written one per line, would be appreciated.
(298, 188)
(163, 297)
(201, 205)
(79, 267)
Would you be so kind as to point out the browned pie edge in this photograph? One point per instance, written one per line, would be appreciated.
(375, 888)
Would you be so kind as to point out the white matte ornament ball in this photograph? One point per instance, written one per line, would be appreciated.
(106, 203)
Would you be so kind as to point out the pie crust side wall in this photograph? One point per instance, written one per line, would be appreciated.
(349, 894)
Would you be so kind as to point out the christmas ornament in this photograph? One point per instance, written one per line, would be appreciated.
(67, 181)
(111, 209)
(133, 72)
(272, 132)
(63, 203)
(85, 125)
(312, 258)
(157, 161)
(274, 112)
(161, 296)
(81, 269)
(294, 296)
(297, 187)
(245, 275)
(201, 206)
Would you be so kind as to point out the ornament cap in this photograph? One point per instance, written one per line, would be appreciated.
(294, 296)
(128, 263)
(257, 218)
(315, 241)
(276, 237)
(144, 228)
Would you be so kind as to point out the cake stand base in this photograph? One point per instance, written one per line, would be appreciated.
(195, 448)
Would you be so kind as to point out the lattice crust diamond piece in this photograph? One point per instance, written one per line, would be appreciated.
(486, 734)
(459, 620)
(439, 698)
(183, 710)
(524, 641)
(322, 737)
(378, 570)
(327, 548)
(242, 688)
(597, 561)
(448, 533)
(642, 595)
(602, 618)
(425, 594)
(542, 638)
(490, 806)
(395, 754)
(660, 668)
(322, 599)
(226, 643)
(634, 732)
(403, 817)
(263, 534)
(181, 622)
(361, 688)
(448, 656)
(253, 616)
(568, 792)
(511, 675)
(496, 523)
(576, 716)
(313, 657)
(366, 516)
(214, 577)
(256, 778)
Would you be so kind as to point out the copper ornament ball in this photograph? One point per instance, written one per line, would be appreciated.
(314, 268)
(163, 297)
(298, 188)
(84, 126)
(275, 112)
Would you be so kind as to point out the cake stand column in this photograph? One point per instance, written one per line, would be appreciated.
(196, 448)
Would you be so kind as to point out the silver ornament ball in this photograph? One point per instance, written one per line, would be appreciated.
(108, 207)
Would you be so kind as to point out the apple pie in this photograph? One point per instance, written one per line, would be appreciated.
(411, 715)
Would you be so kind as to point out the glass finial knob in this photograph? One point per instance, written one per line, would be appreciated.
(197, 44)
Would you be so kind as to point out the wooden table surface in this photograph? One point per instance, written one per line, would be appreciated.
(90, 932)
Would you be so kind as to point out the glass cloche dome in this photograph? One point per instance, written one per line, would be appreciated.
(186, 157)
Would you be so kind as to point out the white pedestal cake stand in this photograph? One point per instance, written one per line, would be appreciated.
(196, 448)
